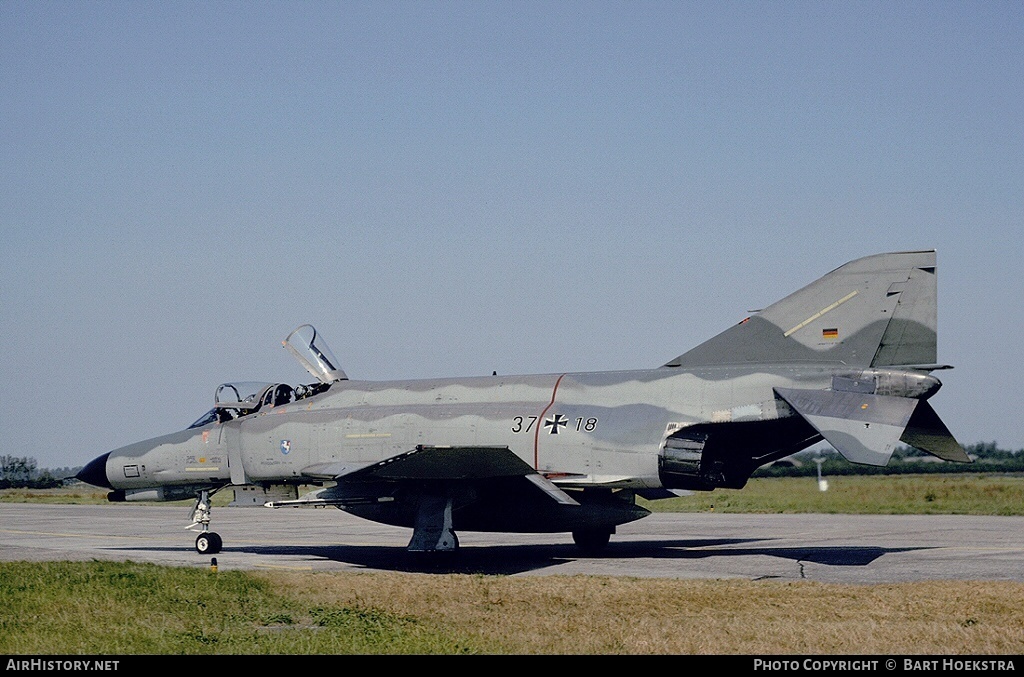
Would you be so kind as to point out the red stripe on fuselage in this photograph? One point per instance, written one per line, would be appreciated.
(540, 422)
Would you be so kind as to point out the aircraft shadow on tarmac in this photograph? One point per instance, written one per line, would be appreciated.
(513, 559)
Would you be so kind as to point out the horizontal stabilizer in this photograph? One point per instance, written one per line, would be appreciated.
(863, 428)
(927, 432)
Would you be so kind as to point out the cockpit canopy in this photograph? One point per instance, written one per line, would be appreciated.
(242, 398)
(248, 395)
(238, 399)
(313, 354)
(233, 400)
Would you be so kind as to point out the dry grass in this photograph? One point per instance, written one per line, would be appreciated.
(77, 494)
(599, 615)
(128, 608)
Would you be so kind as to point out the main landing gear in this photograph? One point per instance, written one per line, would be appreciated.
(592, 541)
(207, 542)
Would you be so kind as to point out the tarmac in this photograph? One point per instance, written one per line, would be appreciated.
(866, 549)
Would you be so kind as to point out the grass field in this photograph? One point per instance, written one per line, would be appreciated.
(863, 495)
(110, 608)
(133, 608)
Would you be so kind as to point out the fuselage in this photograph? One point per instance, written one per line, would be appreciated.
(596, 428)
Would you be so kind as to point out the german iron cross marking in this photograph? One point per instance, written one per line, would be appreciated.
(553, 423)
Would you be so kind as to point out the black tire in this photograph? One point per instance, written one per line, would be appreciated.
(591, 541)
(208, 543)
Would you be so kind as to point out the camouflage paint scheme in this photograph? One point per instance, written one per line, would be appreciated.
(847, 359)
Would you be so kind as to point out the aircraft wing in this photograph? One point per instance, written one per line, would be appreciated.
(362, 483)
(438, 489)
(332, 471)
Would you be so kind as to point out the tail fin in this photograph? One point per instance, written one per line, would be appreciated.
(875, 311)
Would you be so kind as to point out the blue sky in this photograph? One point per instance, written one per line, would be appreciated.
(453, 188)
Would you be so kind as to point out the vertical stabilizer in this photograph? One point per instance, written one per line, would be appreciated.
(877, 310)
(910, 335)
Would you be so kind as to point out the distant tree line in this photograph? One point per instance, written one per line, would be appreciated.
(987, 457)
(22, 472)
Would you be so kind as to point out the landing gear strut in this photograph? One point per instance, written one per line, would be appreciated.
(433, 531)
(208, 542)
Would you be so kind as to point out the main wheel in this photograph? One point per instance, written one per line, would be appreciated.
(591, 541)
(208, 543)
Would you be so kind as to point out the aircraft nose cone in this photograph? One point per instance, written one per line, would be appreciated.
(95, 472)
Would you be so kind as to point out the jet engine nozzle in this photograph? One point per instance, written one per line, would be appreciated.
(893, 382)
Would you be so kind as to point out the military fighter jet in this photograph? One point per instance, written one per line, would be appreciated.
(847, 359)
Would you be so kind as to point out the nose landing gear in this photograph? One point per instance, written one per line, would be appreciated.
(207, 542)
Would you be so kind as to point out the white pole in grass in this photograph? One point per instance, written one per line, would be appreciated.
(822, 483)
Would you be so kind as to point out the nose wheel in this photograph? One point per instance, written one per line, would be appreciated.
(207, 542)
